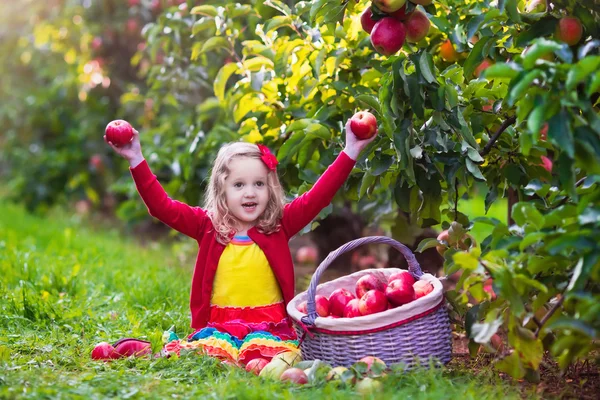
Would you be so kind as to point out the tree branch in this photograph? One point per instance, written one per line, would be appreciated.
(549, 314)
(490, 144)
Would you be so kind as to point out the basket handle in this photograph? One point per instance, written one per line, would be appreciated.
(413, 268)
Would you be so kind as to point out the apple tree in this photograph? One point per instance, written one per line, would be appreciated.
(500, 95)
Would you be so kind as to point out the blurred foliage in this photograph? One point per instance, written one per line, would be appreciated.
(289, 74)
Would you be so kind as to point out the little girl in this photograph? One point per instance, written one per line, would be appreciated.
(244, 275)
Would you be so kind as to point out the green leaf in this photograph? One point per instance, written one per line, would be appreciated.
(573, 325)
(380, 164)
(474, 170)
(512, 10)
(221, 79)
(426, 244)
(527, 214)
(582, 70)
(215, 42)
(371, 101)
(426, 66)
(521, 86)
(466, 261)
(248, 103)
(540, 48)
(366, 182)
(277, 22)
(290, 146)
(205, 10)
(475, 56)
(531, 238)
(559, 132)
(502, 70)
(511, 365)
(203, 24)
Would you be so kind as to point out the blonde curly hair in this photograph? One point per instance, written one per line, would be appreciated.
(215, 202)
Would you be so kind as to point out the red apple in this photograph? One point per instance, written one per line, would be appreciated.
(569, 30)
(417, 26)
(132, 26)
(256, 365)
(338, 300)
(482, 67)
(302, 307)
(96, 162)
(401, 275)
(388, 36)
(352, 310)
(389, 6)
(369, 282)
(400, 291)
(103, 351)
(422, 288)
(400, 14)
(295, 375)
(546, 163)
(133, 3)
(97, 43)
(372, 302)
(370, 360)
(367, 21)
(119, 132)
(363, 124)
(322, 305)
(306, 255)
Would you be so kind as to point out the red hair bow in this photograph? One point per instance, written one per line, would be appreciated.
(268, 158)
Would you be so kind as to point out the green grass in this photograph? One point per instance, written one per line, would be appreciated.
(65, 287)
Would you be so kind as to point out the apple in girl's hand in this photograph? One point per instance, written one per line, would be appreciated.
(119, 132)
(322, 305)
(256, 365)
(372, 302)
(338, 300)
(369, 282)
(302, 307)
(351, 310)
(363, 124)
(295, 375)
(400, 291)
(402, 275)
(422, 288)
(103, 351)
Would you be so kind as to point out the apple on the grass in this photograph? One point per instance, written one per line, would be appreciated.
(338, 300)
(295, 375)
(369, 282)
(372, 302)
(119, 132)
(103, 351)
(256, 365)
(400, 291)
(422, 288)
(388, 36)
(370, 360)
(363, 124)
(352, 310)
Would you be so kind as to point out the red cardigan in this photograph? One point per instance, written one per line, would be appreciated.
(194, 222)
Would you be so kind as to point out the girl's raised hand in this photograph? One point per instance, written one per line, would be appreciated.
(355, 145)
(131, 151)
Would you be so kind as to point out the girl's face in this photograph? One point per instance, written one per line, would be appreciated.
(246, 190)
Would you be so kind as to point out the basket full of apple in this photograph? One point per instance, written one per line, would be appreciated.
(398, 316)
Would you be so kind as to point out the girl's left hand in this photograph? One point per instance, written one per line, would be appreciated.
(353, 144)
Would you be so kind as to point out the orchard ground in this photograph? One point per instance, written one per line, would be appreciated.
(68, 284)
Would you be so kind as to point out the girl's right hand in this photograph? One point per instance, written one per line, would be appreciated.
(132, 151)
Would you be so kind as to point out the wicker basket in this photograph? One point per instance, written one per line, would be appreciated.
(414, 332)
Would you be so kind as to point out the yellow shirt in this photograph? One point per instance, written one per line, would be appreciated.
(244, 277)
